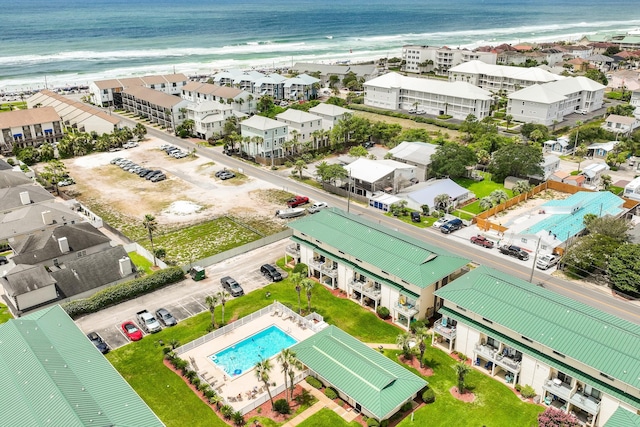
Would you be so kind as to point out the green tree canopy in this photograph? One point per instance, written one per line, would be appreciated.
(265, 103)
(590, 254)
(329, 173)
(451, 159)
(624, 268)
(385, 133)
(516, 160)
(596, 75)
(621, 110)
(610, 226)
(358, 151)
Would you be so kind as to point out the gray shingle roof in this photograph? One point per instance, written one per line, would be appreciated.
(25, 278)
(10, 197)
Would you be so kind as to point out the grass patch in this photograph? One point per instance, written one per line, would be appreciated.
(272, 196)
(616, 190)
(326, 417)
(140, 363)
(481, 188)
(5, 315)
(308, 180)
(426, 221)
(13, 105)
(140, 262)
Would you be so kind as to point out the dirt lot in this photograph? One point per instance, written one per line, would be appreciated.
(190, 194)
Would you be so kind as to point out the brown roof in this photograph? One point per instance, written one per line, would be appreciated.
(213, 89)
(227, 92)
(80, 106)
(108, 84)
(175, 78)
(140, 81)
(153, 80)
(28, 117)
(153, 96)
(192, 86)
(614, 118)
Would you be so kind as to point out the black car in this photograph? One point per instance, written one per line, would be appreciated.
(231, 286)
(98, 342)
(451, 226)
(143, 172)
(152, 174)
(270, 271)
(514, 251)
(3, 260)
(166, 318)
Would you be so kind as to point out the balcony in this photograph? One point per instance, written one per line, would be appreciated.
(507, 362)
(366, 288)
(446, 331)
(330, 271)
(486, 352)
(293, 250)
(406, 308)
(558, 388)
(586, 403)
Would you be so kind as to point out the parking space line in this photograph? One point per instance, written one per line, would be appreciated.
(185, 309)
(204, 307)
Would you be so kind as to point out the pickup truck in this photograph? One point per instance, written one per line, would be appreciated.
(147, 322)
(481, 241)
(514, 251)
(297, 201)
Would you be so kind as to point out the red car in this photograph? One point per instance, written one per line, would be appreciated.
(297, 201)
(481, 241)
(131, 331)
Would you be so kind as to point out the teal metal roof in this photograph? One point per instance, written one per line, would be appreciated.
(567, 225)
(604, 342)
(51, 374)
(623, 418)
(410, 259)
(374, 381)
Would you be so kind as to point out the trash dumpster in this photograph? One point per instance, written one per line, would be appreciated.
(197, 273)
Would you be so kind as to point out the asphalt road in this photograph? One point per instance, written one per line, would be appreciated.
(599, 298)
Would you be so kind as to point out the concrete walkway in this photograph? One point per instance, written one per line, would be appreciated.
(323, 402)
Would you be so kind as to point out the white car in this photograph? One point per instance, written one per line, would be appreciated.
(442, 221)
(412, 111)
(317, 207)
(420, 112)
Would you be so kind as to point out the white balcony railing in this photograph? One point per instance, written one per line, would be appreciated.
(587, 403)
(445, 331)
(366, 289)
(557, 388)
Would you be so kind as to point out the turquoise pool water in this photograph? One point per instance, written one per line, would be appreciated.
(243, 355)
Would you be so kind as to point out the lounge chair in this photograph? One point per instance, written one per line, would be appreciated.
(275, 312)
(287, 317)
(231, 399)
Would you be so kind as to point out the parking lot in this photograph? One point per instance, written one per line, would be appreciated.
(187, 298)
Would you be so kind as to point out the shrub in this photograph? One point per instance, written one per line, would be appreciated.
(384, 423)
(301, 268)
(330, 393)
(527, 391)
(304, 398)
(518, 387)
(372, 422)
(383, 312)
(123, 292)
(282, 406)
(227, 411)
(406, 407)
(429, 396)
(314, 382)
(417, 325)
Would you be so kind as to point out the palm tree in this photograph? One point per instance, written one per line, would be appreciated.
(508, 118)
(462, 369)
(296, 280)
(499, 196)
(442, 201)
(293, 363)
(307, 285)
(287, 359)
(263, 368)
(578, 124)
(421, 337)
(486, 203)
(211, 302)
(521, 187)
(151, 225)
(299, 166)
(402, 341)
(580, 152)
(222, 297)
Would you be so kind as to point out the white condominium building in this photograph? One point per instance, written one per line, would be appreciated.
(421, 59)
(397, 92)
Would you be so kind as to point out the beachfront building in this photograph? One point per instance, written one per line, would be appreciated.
(240, 100)
(76, 115)
(29, 128)
(497, 78)
(240, 79)
(551, 102)
(271, 85)
(304, 124)
(263, 137)
(105, 93)
(53, 375)
(375, 265)
(458, 99)
(367, 380)
(424, 59)
(417, 154)
(325, 71)
(330, 114)
(578, 359)
(302, 87)
(160, 108)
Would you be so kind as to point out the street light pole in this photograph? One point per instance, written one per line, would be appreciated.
(535, 258)
(349, 192)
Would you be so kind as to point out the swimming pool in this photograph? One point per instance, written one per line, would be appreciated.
(244, 355)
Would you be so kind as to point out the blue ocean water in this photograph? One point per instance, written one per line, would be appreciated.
(71, 42)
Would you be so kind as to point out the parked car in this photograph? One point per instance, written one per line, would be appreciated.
(270, 271)
(98, 342)
(152, 174)
(415, 217)
(158, 177)
(412, 110)
(227, 175)
(220, 172)
(514, 251)
(451, 226)
(115, 160)
(317, 207)
(481, 241)
(297, 201)
(143, 172)
(547, 261)
(166, 318)
(66, 182)
(420, 112)
(131, 331)
(231, 286)
(440, 222)
(3, 260)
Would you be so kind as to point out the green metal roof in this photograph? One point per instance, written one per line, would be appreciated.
(623, 418)
(410, 259)
(374, 381)
(602, 341)
(51, 374)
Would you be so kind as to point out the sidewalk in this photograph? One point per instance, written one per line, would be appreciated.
(323, 402)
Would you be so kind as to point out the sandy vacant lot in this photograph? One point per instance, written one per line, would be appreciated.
(191, 192)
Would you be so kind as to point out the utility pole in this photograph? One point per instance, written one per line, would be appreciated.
(349, 192)
(535, 258)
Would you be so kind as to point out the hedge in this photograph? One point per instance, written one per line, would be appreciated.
(372, 422)
(314, 382)
(429, 396)
(417, 119)
(330, 393)
(123, 292)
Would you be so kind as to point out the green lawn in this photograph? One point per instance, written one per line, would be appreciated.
(140, 262)
(4, 314)
(326, 417)
(140, 363)
(482, 188)
(426, 222)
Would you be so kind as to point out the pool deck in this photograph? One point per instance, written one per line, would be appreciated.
(230, 388)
